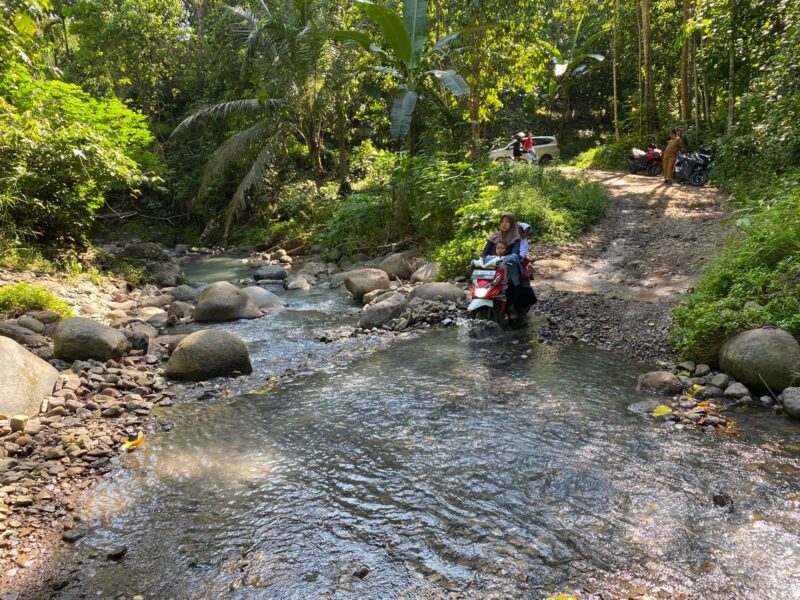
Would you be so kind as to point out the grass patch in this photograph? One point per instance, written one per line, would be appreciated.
(754, 282)
(19, 298)
(557, 207)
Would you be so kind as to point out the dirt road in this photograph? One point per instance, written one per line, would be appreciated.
(616, 287)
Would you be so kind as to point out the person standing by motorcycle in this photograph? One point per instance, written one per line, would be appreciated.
(670, 153)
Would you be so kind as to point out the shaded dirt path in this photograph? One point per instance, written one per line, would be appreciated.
(617, 286)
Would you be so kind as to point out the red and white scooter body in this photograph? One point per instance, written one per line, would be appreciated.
(489, 283)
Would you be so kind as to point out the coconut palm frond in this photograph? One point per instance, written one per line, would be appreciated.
(256, 173)
(222, 111)
(234, 148)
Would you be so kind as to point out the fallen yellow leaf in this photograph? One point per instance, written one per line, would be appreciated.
(563, 597)
(131, 444)
(661, 410)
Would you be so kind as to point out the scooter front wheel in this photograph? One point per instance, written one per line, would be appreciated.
(699, 177)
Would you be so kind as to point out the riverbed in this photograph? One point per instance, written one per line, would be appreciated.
(438, 466)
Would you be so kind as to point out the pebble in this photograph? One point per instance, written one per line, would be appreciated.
(72, 535)
(117, 552)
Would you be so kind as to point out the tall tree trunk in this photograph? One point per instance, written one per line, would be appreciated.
(614, 75)
(341, 138)
(639, 80)
(685, 105)
(731, 71)
(475, 90)
(695, 87)
(649, 82)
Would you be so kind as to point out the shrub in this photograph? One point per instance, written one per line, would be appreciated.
(754, 282)
(608, 154)
(361, 221)
(19, 298)
(63, 152)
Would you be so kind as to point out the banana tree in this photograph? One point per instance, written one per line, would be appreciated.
(567, 69)
(401, 54)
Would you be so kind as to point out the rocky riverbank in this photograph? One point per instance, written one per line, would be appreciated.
(111, 368)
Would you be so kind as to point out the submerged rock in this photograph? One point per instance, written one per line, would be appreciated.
(209, 353)
(25, 380)
(659, 382)
(763, 359)
(264, 298)
(80, 339)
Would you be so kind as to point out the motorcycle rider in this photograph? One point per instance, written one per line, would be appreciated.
(508, 234)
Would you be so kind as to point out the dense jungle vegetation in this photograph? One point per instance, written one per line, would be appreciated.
(349, 125)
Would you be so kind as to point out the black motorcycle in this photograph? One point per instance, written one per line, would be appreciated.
(693, 168)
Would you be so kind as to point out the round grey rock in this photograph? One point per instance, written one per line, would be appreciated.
(223, 301)
(209, 353)
(763, 359)
(439, 292)
(80, 339)
(659, 382)
(362, 281)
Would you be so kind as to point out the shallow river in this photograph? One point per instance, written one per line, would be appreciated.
(441, 466)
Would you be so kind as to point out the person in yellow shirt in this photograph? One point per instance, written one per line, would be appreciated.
(670, 153)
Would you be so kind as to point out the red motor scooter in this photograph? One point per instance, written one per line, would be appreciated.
(489, 285)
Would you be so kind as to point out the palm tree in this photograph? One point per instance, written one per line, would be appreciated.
(567, 69)
(293, 64)
(401, 55)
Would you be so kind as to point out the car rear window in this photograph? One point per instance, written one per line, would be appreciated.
(541, 141)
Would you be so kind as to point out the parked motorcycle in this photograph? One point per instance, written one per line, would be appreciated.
(692, 168)
(489, 288)
(649, 160)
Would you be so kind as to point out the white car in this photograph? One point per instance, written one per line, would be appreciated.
(545, 147)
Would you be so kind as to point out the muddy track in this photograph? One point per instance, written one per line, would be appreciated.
(616, 287)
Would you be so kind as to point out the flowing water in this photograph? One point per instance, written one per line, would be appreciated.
(441, 467)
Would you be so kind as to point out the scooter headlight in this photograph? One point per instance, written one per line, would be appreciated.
(481, 292)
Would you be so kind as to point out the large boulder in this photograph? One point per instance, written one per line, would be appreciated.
(145, 251)
(22, 335)
(223, 301)
(80, 339)
(25, 380)
(765, 360)
(158, 266)
(185, 293)
(426, 273)
(440, 292)
(273, 272)
(361, 281)
(397, 265)
(387, 307)
(162, 273)
(264, 298)
(660, 382)
(314, 268)
(791, 401)
(209, 353)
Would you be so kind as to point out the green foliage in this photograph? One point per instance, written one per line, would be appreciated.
(754, 282)
(556, 207)
(19, 298)
(64, 151)
(607, 154)
(133, 49)
(361, 222)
